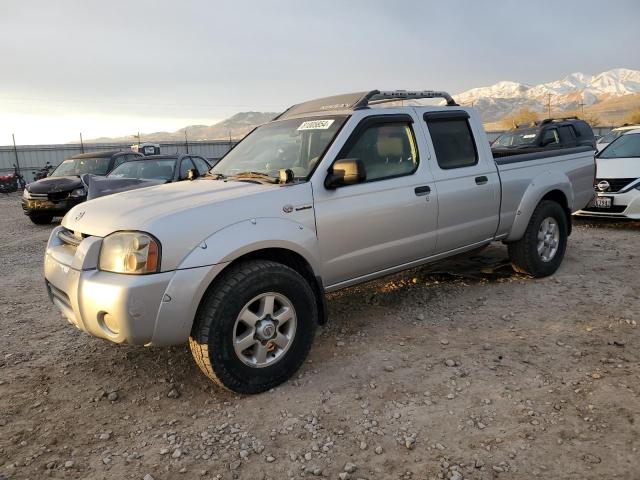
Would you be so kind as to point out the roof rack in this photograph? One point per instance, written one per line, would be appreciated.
(550, 120)
(377, 96)
(360, 100)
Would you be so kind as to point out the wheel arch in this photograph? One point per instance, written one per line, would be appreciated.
(539, 190)
(289, 258)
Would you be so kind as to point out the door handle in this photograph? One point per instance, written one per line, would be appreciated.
(481, 180)
(423, 190)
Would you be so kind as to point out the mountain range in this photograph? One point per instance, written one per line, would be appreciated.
(606, 98)
(618, 88)
(234, 127)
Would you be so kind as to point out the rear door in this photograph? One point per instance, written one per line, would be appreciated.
(466, 180)
(388, 219)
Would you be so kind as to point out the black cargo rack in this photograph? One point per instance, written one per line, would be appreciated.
(361, 100)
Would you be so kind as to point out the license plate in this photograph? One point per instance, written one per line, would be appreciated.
(38, 204)
(602, 202)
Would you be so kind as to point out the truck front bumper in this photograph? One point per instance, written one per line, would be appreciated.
(154, 309)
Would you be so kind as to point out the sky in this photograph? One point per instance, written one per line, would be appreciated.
(111, 68)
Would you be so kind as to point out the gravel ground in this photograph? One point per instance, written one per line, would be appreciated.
(460, 370)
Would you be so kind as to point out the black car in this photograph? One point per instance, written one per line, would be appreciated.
(145, 172)
(549, 133)
(56, 194)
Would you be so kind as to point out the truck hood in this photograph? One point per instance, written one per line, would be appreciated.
(182, 214)
(54, 184)
(618, 167)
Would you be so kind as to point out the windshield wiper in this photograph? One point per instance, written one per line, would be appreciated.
(249, 175)
(215, 176)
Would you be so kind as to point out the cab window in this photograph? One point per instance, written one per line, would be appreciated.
(452, 139)
(550, 137)
(386, 150)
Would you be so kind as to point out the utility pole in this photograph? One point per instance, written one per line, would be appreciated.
(186, 142)
(549, 105)
(15, 150)
(81, 143)
(582, 107)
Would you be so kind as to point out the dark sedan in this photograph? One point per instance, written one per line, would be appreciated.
(55, 195)
(145, 172)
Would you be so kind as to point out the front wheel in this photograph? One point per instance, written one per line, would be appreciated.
(254, 327)
(540, 251)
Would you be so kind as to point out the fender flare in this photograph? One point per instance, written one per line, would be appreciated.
(222, 246)
(541, 185)
(217, 251)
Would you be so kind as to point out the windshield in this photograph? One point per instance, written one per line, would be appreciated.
(295, 144)
(79, 166)
(516, 138)
(625, 146)
(611, 136)
(150, 169)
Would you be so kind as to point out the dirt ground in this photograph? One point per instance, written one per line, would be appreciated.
(459, 370)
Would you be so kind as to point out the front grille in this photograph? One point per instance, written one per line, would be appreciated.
(57, 196)
(615, 184)
(613, 209)
(38, 196)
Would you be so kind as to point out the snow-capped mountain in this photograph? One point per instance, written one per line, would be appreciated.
(576, 89)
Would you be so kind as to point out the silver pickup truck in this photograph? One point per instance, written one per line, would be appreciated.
(331, 193)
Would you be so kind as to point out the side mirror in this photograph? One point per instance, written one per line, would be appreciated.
(347, 171)
(192, 174)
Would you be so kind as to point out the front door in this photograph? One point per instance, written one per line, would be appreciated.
(389, 218)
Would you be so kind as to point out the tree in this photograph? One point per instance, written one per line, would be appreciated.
(633, 117)
(521, 117)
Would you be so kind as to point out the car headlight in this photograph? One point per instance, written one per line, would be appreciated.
(130, 252)
(25, 194)
(78, 192)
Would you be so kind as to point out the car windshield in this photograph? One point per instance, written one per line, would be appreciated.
(623, 147)
(611, 136)
(516, 138)
(80, 166)
(296, 144)
(149, 169)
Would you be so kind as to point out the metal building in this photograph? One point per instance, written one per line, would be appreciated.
(33, 157)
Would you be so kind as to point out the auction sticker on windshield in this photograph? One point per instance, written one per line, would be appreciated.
(315, 125)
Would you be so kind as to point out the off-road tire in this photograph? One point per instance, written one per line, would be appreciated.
(40, 219)
(524, 253)
(211, 340)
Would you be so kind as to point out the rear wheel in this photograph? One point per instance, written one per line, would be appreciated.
(254, 327)
(40, 218)
(540, 251)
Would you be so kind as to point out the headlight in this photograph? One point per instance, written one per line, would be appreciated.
(25, 194)
(130, 252)
(78, 192)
